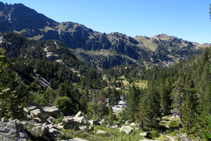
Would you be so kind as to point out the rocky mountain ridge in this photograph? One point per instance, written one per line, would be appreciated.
(94, 48)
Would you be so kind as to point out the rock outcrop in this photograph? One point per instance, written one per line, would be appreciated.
(126, 129)
(12, 131)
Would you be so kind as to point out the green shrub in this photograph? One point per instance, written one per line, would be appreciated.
(154, 134)
(64, 104)
(174, 124)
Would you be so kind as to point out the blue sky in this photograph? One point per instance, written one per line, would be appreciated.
(186, 19)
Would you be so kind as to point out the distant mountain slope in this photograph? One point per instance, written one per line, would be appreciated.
(94, 48)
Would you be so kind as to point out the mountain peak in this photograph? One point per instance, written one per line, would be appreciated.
(162, 36)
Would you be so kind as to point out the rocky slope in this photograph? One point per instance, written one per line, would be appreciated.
(94, 48)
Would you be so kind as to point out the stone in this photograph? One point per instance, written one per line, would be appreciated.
(66, 118)
(51, 120)
(101, 132)
(127, 122)
(143, 134)
(38, 131)
(79, 114)
(115, 126)
(52, 111)
(133, 124)
(83, 128)
(71, 124)
(102, 121)
(11, 131)
(36, 112)
(92, 123)
(54, 132)
(38, 120)
(126, 129)
(81, 120)
(77, 139)
(40, 114)
(31, 107)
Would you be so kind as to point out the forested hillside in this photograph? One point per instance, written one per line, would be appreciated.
(182, 90)
(102, 86)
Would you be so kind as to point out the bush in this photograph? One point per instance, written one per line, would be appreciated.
(64, 104)
(174, 124)
(154, 134)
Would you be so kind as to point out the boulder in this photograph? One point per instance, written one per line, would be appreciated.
(127, 122)
(54, 132)
(37, 131)
(92, 123)
(40, 114)
(81, 120)
(31, 107)
(77, 139)
(66, 118)
(101, 132)
(143, 134)
(68, 124)
(83, 128)
(11, 131)
(133, 124)
(115, 126)
(51, 120)
(79, 114)
(102, 121)
(52, 111)
(126, 129)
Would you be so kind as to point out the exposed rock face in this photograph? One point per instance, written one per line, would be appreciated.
(39, 113)
(38, 131)
(52, 111)
(126, 129)
(31, 107)
(11, 131)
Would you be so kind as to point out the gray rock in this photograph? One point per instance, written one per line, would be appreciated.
(11, 131)
(143, 134)
(92, 123)
(77, 139)
(51, 120)
(126, 129)
(79, 114)
(40, 114)
(83, 128)
(133, 124)
(71, 124)
(52, 111)
(101, 132)
(54, 132)
(115, 126)
(38, 131)
(38, 120)
(81, 120)
(31, 107)
(102, 121)
(66, 118)
(127, 122)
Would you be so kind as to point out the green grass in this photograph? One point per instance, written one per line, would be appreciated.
(111, 135)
